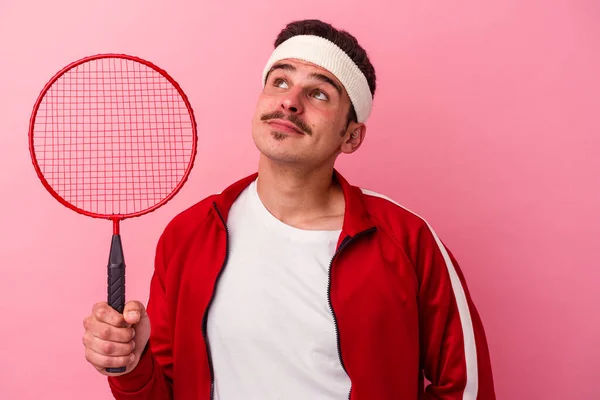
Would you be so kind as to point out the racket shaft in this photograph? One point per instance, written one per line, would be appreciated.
(116, 281)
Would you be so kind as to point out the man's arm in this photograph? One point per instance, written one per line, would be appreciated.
(152, 377)
(454, 350)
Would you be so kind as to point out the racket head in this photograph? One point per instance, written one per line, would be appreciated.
(163, 143)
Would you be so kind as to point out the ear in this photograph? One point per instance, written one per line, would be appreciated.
(353, 138)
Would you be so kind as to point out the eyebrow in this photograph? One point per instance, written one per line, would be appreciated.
(314, 75)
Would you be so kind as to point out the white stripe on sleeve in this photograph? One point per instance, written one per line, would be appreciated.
(471, 388)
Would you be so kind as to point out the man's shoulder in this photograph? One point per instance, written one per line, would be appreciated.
(403, 225)
(390, 213)
(194, 213)
(194, 216)
(189, 220)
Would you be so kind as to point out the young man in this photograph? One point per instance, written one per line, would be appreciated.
(292, 283)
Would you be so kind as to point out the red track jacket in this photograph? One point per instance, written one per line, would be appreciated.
(400, 304)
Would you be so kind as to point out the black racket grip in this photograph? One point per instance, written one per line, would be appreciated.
(116, 282)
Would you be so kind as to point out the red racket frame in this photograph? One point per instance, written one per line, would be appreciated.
(116, 218)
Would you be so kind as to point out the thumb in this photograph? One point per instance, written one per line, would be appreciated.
(134, 311)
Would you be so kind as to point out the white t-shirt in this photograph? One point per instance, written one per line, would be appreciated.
(270, 328)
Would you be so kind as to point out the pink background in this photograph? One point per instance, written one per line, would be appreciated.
(485, 122)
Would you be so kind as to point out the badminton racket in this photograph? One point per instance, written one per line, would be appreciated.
(113, 136)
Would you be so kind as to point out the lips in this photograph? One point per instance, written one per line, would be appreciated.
(285, 126)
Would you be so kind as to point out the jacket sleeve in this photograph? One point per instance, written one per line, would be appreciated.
(152, 377)
(454, 350)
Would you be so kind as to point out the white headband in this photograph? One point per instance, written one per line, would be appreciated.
(322, 52)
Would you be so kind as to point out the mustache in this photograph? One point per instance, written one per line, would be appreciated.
(292, 118)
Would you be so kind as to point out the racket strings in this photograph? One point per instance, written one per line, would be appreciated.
(113, 136)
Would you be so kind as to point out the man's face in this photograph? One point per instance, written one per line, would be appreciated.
(301, 116)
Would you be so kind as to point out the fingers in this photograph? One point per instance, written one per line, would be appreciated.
(105, 313)
(109, 335)
(133, 312)
(101, 361)
(108, 332)
(106, 347)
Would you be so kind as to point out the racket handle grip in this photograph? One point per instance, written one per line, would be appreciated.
(116, 282)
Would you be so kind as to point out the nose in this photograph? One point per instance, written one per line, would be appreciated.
(292, 101)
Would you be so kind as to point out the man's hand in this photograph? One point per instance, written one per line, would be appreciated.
(115, 340)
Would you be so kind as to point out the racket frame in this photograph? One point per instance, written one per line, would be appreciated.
(114, 217)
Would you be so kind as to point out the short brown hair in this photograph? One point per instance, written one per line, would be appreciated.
(342, 39)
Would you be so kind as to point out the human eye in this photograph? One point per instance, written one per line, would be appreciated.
(281, 83)
(320, 95)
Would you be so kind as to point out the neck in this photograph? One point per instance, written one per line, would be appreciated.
(306, 199)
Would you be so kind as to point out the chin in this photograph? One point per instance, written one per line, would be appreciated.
(275, 151)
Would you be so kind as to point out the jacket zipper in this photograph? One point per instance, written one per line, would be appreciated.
(205, 317)
(347, 240)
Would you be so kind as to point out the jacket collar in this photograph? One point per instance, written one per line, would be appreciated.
(356, 218)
